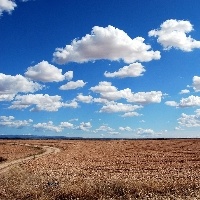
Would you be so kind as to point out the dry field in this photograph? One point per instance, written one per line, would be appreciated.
(11, 150)
(117, 169)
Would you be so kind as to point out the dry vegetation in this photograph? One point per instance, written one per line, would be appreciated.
(12, 150)
(124, 169)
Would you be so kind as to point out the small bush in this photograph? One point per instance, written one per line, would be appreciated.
(2, 159)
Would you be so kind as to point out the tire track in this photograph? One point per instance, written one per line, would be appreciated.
(47, 150)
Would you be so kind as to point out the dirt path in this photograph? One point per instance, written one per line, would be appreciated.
(47, 150)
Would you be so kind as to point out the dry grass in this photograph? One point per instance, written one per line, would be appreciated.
(148, 169)
(11, 150)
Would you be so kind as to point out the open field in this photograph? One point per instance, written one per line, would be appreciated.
(11, 150)
(113, 169)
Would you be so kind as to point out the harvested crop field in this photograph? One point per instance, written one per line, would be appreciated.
(15, 150)
(107, 169)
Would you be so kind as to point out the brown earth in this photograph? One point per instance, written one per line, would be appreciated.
(11, 150)
(116, 169)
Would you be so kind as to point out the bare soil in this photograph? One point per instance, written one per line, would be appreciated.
(116, 169)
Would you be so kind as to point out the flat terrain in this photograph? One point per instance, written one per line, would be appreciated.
(113, 169)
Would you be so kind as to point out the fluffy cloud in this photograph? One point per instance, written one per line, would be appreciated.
(105, 128)
(40, 101)
(84, 99)
(114, 107)
(7, 97)
(106, 43)
(127, 128)
(11, 122)
(196, 83)
(190, 101)
(11, 85)
(171, 103)
(149, 132)
(7, 6)
(190, 120)
(130, 114)
(66, 125)
(72, 104)
(185, 91)
(146, 97)
(173, 33)
(145, 132)
(109, 92)
(84, 126)
(49, 126)
(46, 72)
(132, 70)
(73, 85)
(104, 87)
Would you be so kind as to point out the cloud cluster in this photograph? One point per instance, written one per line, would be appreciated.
(190, 120)
(105, 128)
(84, 99)
(38, 102)
(127, 128)
(11, 85)
(132, 70)
(84, 126)
(49, 126)
(110, 92)
(7, 6)
(130, 114)
(196, 83)
(173, 33)
(114, 107)
(11, 122)
(185, 91)
(190, 101)
(46, 72)
(106, 43)
(72, 85)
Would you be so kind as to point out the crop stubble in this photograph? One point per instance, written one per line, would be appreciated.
(113, 169)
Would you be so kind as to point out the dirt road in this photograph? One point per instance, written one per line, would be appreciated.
(47, 150)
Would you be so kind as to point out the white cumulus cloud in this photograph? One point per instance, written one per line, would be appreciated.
(172, 103)
(84, 126)
(132, 70)
(66, 125)
(173, 33)
(7, 6)
(190, 120)
(73, 85)
(130, 114)
(49, 126)
(127, 128)
(84, 99)
(114, 107)
(196, 83)
(146, 97)
(110, 92)
(10, 121)
(190, 101)
(39, 102)
(46, 72)
(185, 91)
(106, 43)
(105, 128)
(11, 85)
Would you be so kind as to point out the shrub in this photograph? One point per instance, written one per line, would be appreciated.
(2, 159)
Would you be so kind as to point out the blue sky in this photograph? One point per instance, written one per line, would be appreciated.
(100, 69)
